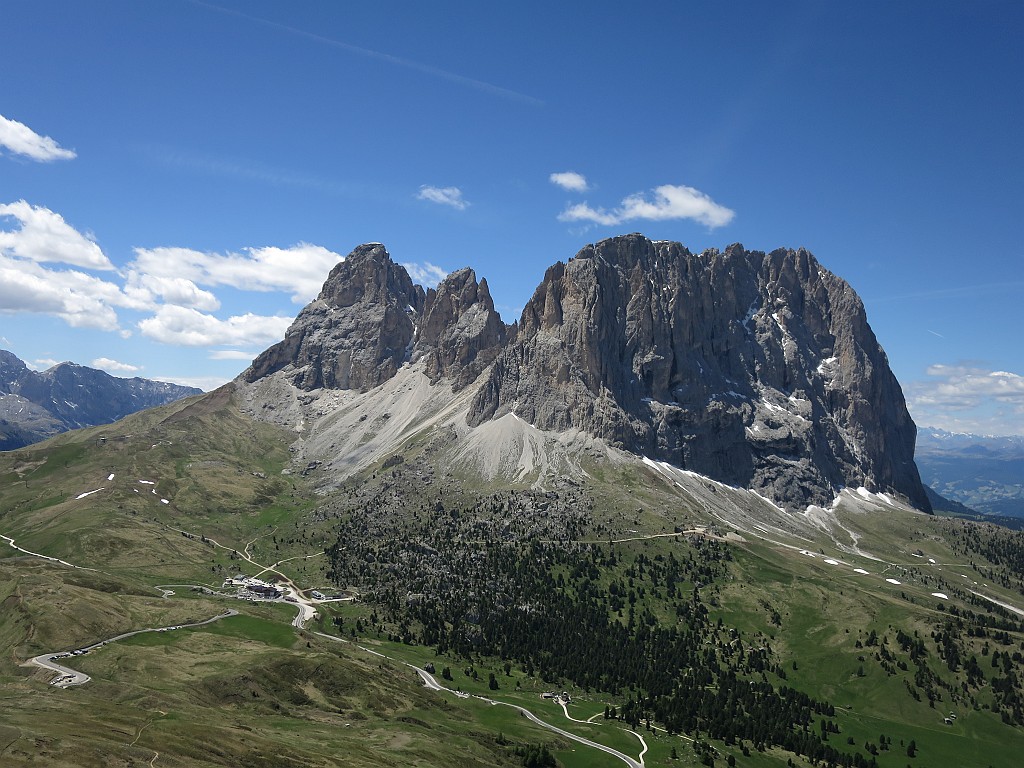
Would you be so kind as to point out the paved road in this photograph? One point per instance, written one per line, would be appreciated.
(306, 609)
(66, 677)
(431, 683)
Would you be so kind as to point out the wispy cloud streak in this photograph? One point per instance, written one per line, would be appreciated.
(398, 61)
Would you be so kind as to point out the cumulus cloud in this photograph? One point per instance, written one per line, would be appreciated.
(300, 270)
(44, 236)
(81, 300)
(666, 202)
(144, 291)
(172, 285)
(187, 327)
(451, 196)
(969, 398)
(570, 180)
(425, 274)
(21, 140)
(113, 366)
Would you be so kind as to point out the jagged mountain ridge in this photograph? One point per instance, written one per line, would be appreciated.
(36, 405)
(758, 370)
(370, 319)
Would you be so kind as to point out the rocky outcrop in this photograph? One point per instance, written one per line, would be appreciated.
(36, 405)
(461, 333)
(370, 319)
(356, 333)
(755, 369)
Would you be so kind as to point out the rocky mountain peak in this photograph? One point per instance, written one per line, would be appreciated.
(755, 369)
(369, 276)
(369, 319)
(356, 333)
(461, 333)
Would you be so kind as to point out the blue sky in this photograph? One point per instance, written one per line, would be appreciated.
(177, 177)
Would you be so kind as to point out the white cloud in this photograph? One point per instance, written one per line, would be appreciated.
(583, 212)
(425, 274)
(81, 300)
(43, 363)
(231, 354)
(21, 140)
(300, 270)
(145, 290)
(44, 236)
(187, 327)
(968, 398)
(668, 202)
(163, 282)
(570, 180)
(113, 366)
(451, 196)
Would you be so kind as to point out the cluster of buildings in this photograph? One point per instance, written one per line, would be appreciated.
(250, 588)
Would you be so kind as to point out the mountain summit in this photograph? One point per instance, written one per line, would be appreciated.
(757, 370)
(370, 319)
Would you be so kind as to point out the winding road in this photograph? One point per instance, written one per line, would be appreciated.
(67, 677)
(292, 593)
(10, 541)
(431, 683)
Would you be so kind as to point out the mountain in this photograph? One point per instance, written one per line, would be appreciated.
(36, 405)
(983, 472)
(370, 319)
(453, 531)
(757, 370)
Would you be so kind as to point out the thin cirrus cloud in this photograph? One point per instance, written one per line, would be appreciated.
(665, 203)
(450, 196)
(19, 139)
(231, 354)
(387, 58)
(570, 180)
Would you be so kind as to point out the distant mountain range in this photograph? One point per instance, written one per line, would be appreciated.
(37, 405)
(985, 473)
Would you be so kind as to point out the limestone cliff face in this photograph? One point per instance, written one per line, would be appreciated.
(461, 333)
(356, 333)
(370, 319)
(755, 369)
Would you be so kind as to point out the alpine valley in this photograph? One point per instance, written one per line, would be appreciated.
(671, 516)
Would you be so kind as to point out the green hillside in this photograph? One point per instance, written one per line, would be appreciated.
(662, 607)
